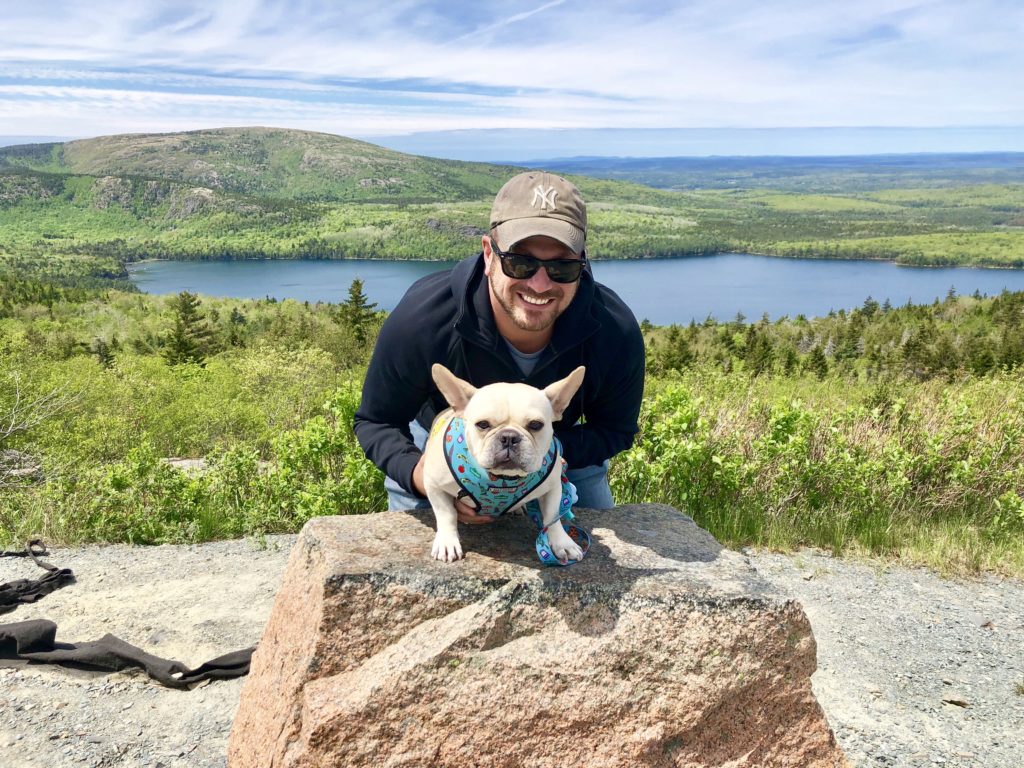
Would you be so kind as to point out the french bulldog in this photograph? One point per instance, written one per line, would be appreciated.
(508, 431)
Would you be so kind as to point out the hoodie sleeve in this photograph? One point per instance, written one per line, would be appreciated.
(396, 387)
(611, 411)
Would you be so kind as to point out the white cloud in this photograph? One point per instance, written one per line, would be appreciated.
(562, 63)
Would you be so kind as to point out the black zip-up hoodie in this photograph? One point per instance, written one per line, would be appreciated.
(446, 318)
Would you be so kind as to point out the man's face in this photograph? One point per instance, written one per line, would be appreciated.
(535, 303)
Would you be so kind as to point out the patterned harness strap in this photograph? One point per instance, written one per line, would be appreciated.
(494, 495)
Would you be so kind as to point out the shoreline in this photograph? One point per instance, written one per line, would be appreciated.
(673, 257)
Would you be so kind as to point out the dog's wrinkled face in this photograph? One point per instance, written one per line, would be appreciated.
(508, 426)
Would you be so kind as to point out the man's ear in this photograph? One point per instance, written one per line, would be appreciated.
(560, 393)
(485, 243)
(456, 391)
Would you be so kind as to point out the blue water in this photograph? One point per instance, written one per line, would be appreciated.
(663, 291)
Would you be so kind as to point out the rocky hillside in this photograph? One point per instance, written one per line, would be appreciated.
(265, 162)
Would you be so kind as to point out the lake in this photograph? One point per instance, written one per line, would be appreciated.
(663, 291)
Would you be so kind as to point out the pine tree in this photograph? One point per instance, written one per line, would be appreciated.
(817, 363)
(189, 339)
(235, 323)
(677, 354)
(759, 353)
(790, 360)
(357, 313)
(104, 353)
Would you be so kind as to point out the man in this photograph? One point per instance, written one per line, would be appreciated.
(525, 309)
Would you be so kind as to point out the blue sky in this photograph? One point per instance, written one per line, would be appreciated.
(572, 76)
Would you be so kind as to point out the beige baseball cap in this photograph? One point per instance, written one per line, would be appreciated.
(539, 203)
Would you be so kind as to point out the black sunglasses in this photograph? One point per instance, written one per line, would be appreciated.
(522, 266)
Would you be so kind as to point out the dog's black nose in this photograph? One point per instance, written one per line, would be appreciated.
(510, 439)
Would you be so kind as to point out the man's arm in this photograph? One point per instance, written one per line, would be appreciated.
(612, 414)
(396, 387)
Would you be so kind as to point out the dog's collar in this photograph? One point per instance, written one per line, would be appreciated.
(495, 495)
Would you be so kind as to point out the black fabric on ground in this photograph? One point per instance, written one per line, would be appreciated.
(22, 591)
(36, 640)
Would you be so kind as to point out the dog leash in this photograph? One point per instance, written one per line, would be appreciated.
(494, 495)
(35, 641)
(576, 533)
(24, 591)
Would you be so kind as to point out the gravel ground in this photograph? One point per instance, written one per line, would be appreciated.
(913, 670)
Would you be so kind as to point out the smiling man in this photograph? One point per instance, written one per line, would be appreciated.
(525, 309)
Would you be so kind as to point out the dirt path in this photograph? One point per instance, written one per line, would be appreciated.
(892, 644)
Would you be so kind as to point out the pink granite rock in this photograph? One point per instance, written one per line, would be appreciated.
(659, 649)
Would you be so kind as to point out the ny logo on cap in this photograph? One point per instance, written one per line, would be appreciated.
(545, 196)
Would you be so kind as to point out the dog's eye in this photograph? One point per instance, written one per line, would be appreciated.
(535, 426)
(482, 425)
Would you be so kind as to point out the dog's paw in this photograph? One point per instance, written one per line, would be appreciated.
(567, 550)
(447, 548)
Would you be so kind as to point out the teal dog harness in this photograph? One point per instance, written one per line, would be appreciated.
(494, 495)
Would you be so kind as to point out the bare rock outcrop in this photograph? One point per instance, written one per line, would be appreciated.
(659, 649)
(113, 191)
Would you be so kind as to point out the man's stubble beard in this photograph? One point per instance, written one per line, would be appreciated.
(516, 314)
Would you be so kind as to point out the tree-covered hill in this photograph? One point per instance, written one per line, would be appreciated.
(276, 193)
(264, 162)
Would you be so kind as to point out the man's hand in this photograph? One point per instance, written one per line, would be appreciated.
(470, 516)
(466, 513)
(417, 476)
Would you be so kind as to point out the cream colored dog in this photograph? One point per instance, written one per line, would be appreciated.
(508, 432)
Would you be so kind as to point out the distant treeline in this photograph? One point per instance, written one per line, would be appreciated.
(960, 336)
(841, 173)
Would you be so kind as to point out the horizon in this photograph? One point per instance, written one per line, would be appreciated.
(441, 75)
(796, 143)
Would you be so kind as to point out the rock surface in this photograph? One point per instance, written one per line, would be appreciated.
(660, 648)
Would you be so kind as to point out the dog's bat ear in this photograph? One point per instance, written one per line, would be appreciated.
(561, 392)
(456, 391)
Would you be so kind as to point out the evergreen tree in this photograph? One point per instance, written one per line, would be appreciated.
(1011, 348)
(759, 352)
(357, 312)
(104, 353)
(677, 354)
(189, 339)
(816, 363)
(790, 360)
(981, 357)
(235, 323)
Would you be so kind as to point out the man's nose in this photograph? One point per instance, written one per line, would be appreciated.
(540, 281)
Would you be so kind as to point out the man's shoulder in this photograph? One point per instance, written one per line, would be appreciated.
(612, 312)
(439, 286)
